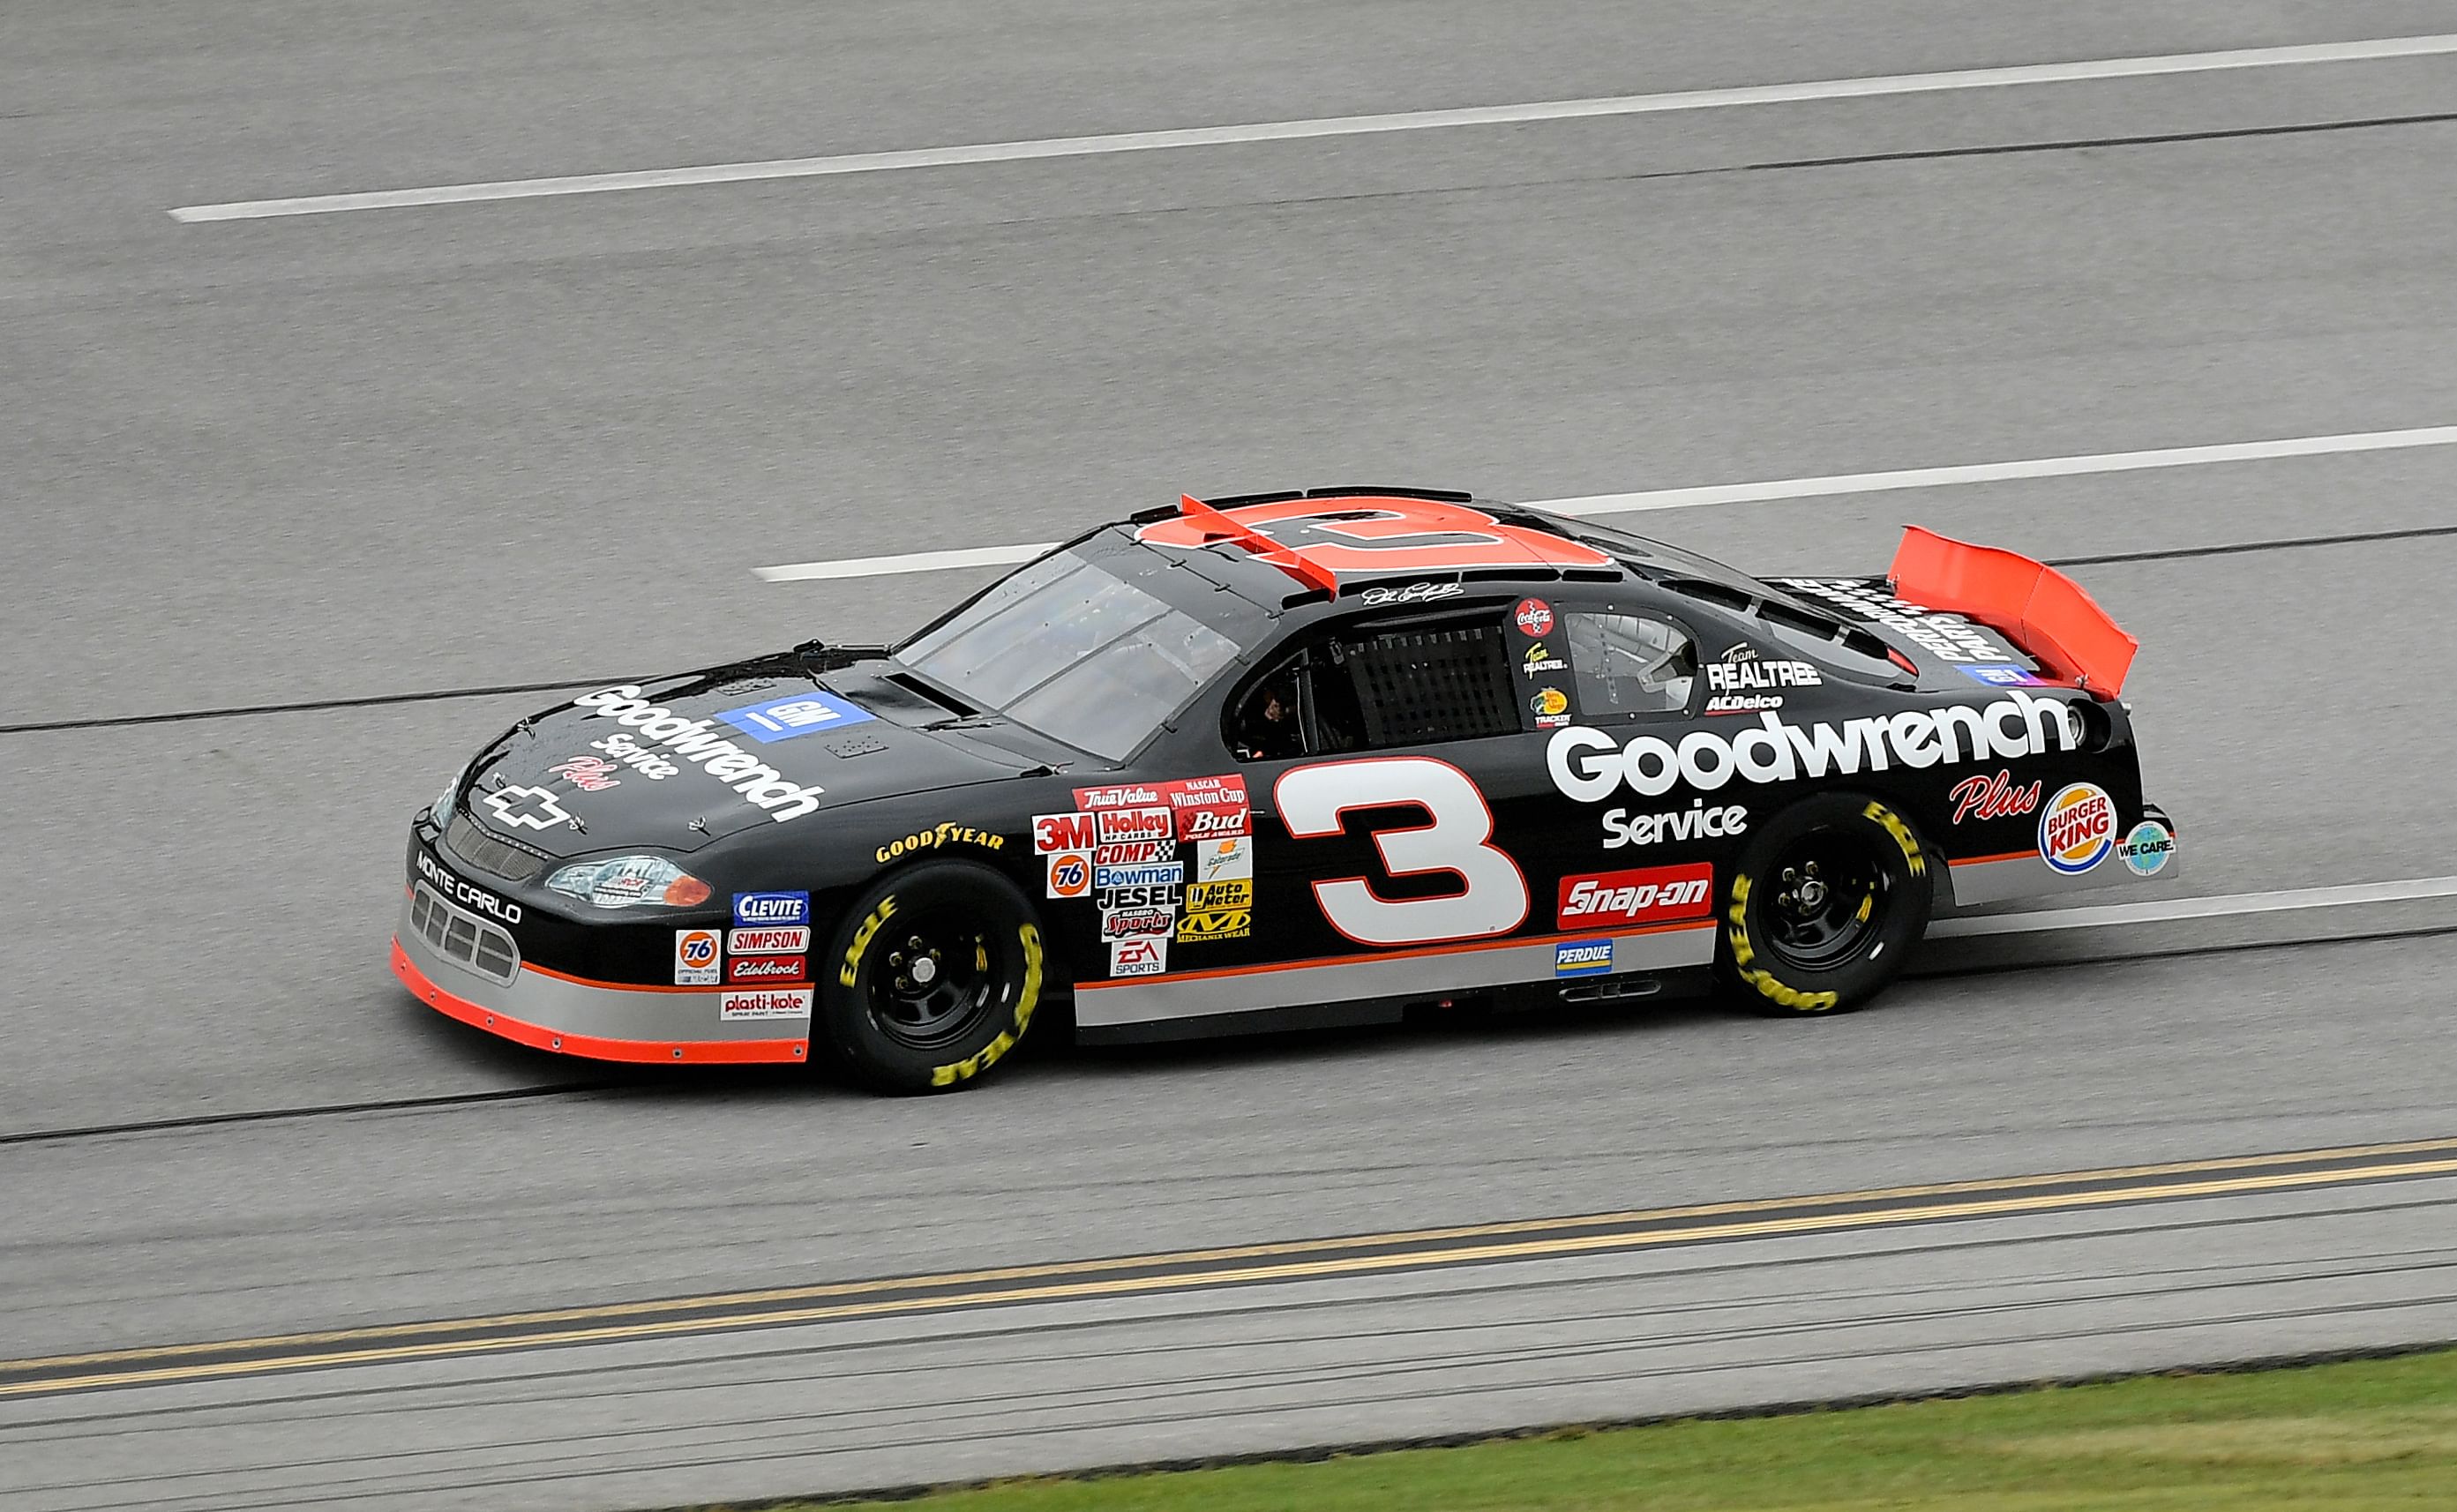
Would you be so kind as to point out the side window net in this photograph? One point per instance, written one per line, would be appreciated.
(1626, 664)
(1428, 685)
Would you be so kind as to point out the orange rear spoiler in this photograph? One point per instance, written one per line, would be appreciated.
(2046, 612)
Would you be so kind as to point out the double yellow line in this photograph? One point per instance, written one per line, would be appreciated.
(1193, 1269)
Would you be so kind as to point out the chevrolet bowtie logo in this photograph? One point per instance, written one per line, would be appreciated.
(526, 808)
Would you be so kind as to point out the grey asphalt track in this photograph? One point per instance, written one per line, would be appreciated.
(381, 454)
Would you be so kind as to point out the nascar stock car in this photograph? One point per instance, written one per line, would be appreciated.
(1288, 759)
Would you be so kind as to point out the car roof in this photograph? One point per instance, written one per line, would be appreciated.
(1328, 546)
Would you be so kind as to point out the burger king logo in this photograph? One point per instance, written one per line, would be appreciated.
(2077, 828)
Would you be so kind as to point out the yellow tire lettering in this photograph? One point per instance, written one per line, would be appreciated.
(1026, 1000)
(1912, 855)
(1780, 993)
(861, 938)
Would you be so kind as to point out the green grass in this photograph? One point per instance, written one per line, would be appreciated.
(2339, 1437)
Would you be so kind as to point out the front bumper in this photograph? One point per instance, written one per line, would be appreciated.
(550, 1011)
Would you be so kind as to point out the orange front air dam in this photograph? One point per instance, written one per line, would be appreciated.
(589, 1046)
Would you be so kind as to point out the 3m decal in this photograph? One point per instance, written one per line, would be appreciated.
(1374, 533)
(1752, 676)
(767, 940)
(1588, 766)
(1992, 797)
(1139, 958)
(587, 772)
(2003, 676)
(1457, 839)
(940, 836)
(1137, 923)
(796, 715)
(1533, 616)
(1540, 659)
(1134, 853)
(1070, 875)
(2146, 848)
(765, 1002)
(1697, 821)
(468, 894)
(1052, 832)
(1220, 924)
(519, 808)
(2077, 828)
(771, 908)
(1951, 638)
(1136, 824)
(695, 957)
(1215, 896)
(1221, 861)
(758, 970)
(1413, 594)
(1650, 895)
(1583, 957)
(753, 780)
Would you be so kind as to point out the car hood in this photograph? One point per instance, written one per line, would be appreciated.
(677, 762)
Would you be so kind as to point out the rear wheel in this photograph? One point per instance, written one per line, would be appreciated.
(934, 980)
(1825, 907)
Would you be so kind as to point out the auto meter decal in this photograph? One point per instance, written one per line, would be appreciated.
(1533, 616)
(695, 958)
(2077, 828)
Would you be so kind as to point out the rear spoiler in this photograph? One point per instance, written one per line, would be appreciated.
(2046, 612)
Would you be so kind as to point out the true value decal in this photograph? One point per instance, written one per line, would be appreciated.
(1588, 766)
(661, 729)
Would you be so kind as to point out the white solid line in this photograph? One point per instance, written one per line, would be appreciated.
(1742, 493)
(2167, 910)
(2364, 50)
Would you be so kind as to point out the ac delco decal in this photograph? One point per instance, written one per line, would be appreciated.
(1648, 895)
(753, 971)
(1120, 825)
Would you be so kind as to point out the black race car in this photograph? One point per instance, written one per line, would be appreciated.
(1297, 759)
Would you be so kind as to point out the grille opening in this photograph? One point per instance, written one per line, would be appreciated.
(462, 938)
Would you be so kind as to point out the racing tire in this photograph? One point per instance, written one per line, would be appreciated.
(933, 978)
(1825, 907)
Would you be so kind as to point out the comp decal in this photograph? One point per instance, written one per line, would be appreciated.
(2077, 828)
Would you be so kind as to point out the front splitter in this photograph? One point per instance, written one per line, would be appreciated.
(588, 1047)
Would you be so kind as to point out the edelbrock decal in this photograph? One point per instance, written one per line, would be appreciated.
(758, 783)
(1588, 766)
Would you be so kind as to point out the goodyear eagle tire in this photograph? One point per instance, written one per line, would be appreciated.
(933, 978)
(1828, 902)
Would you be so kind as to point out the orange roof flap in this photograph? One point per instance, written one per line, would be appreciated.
(1264, 549)
(2046, 612)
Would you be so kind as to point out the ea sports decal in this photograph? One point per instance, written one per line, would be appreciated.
(1533, 616)
(2077, 828)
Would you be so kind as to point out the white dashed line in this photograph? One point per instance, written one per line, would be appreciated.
(2169, 910)
(2368, 49)
(1738, 493)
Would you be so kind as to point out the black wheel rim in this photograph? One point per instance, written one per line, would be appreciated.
(1823, 899)
(934, 978)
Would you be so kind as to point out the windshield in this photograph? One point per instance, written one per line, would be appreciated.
(1076, 651)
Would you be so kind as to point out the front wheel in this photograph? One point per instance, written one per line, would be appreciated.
(1825, 907)
(934, 980)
